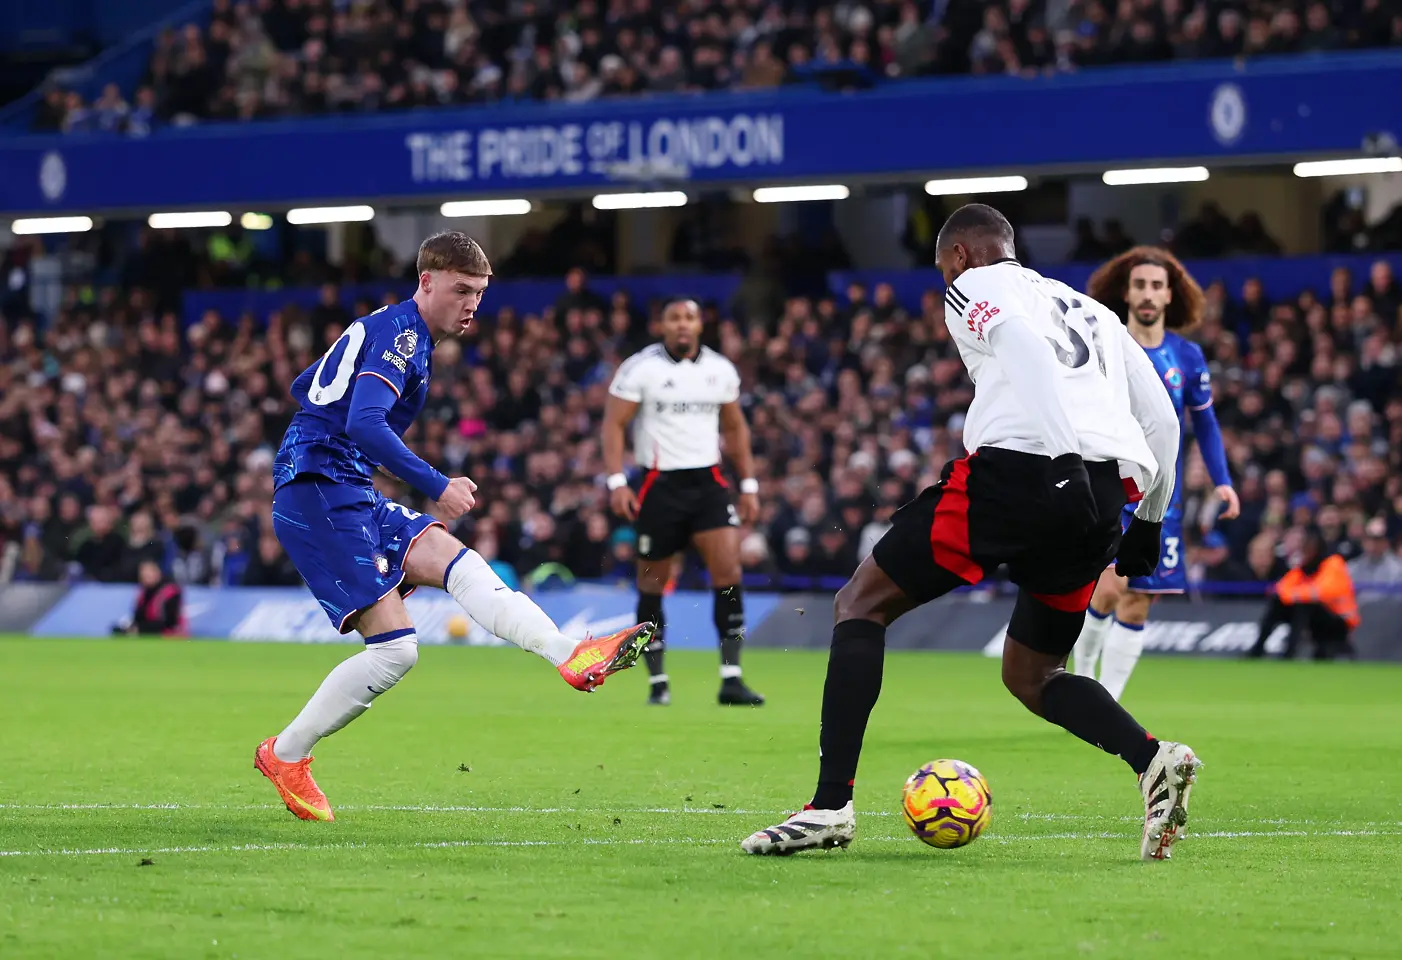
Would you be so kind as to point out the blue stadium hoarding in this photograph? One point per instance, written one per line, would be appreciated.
(1206, 112)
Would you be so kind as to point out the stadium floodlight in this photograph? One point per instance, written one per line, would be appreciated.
(963, 185)
(821, 191)
(354, 214)
(639, 201)
(256, 221)
(189, 221)
(485, 208)
(1344, 168)
(1123, 178)
(32, 225)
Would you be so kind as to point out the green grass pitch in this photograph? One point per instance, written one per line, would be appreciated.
(486, 810)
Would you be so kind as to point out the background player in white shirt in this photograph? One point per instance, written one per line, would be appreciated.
(682, 399)
(1069, 421)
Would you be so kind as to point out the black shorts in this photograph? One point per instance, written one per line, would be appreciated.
(991, 508)
(675, 504)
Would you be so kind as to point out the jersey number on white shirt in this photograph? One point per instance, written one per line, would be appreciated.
(1079, 353)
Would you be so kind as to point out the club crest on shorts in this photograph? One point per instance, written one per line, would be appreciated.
(406, 343)
(644, 544)
(382, 563)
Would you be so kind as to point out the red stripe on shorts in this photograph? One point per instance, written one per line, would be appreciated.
(720, 479)
(1074, 602)
(949, 533)
(648, 481)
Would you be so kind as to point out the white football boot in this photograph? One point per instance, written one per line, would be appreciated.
(1166, 785)
(806, 830)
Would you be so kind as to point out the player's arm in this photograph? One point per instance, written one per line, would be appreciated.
(1153, 410)
(367, 425)
(1209, 434)
(735, 431)
(625, 394)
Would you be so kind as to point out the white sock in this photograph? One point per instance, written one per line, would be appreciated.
(504, 612)
(347, 692)
(1090, 643)
(1122, 649)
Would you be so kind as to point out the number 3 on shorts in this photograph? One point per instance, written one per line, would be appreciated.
(1170, 553)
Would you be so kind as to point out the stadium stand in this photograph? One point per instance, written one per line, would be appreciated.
(305, 57)
(138, 437)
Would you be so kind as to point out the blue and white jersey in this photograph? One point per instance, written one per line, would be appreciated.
(1183, 368)
(393, 344)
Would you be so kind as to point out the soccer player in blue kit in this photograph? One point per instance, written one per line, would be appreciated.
(361, 553)
(1159, 302)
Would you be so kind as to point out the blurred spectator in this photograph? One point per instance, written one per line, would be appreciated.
(160, 606)
(100, 550)
(270, 566)
(1378, 565)
(1316, 598)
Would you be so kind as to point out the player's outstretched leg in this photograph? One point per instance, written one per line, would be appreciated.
(1041, 633)
(1085, 659)
(439, 559)
(391, 650)
(864, 608)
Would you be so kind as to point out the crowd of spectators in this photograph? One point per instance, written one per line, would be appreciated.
(264, 58)
(126, 437)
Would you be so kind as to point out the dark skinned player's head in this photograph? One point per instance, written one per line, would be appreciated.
(681, 326)
(975, 235)
(1150, 286)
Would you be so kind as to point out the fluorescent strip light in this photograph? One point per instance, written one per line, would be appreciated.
(1342, 168)
(822, 191)
(183, 221)
(1122, 178)
(33, 225)
(256, 221)
(484, 208)
(963, 185)
(303, 215)
(639, 201)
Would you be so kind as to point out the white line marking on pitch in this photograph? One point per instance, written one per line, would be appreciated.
(684, 841)
(670, 811)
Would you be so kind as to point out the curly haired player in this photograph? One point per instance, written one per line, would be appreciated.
(1159, 302)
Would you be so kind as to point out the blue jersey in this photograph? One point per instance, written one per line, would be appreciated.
(1184, 371)
(393, 344)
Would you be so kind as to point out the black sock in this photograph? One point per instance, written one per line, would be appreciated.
(849, 694)
(1085, 708)
(650, 610)
(728, 611)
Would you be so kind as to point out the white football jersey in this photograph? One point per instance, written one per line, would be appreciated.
(1090, 378)
(677, 426)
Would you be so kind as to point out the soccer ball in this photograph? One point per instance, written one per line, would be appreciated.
(457, 626)
(946, 803)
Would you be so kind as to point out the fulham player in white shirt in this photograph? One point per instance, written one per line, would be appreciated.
(1069, 422)
(681, 399)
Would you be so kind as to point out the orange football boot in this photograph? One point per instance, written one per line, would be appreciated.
(595, 659)
(294, 783)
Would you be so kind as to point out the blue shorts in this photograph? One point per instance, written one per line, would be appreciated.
(347, 542)
(1170, 577)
